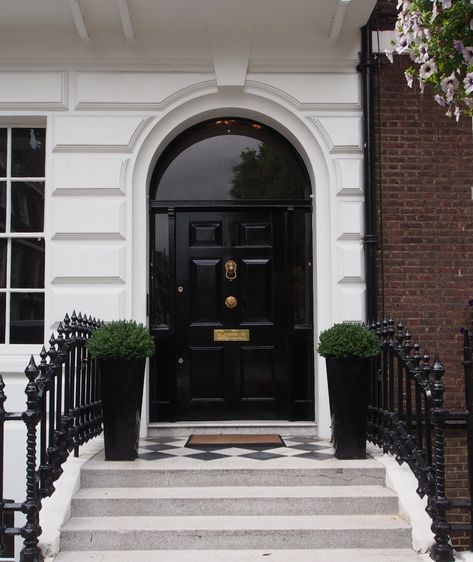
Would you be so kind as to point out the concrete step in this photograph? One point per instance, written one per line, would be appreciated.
(180, 429)
(237, 500)
(322, 555)
(235, 532)
(139, 474)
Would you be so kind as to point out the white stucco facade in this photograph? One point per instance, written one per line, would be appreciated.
(114, 92)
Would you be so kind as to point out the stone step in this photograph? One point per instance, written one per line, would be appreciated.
(102, 474)
(184, 429)
(235, 532)
(239, 500)
(322, 555)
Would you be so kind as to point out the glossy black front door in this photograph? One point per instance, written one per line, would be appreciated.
(230, 273)
(231, 313)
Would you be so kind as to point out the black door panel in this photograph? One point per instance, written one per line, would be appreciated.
(226, 268)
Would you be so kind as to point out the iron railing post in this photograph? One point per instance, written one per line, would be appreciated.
(31, 417)
(442, 550)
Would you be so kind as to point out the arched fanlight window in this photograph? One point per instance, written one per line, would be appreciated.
(230, 159)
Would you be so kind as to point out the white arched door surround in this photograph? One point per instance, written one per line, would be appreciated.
(300, 132)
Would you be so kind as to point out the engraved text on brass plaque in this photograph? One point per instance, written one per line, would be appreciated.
(231, 335)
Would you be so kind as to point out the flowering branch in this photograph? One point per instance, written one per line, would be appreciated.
(438, 36)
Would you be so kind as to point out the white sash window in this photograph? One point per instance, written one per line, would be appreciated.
(22, 180)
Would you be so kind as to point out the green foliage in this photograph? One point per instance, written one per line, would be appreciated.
(266, 173)
(438, 36)
(121, 339)
(348, 340)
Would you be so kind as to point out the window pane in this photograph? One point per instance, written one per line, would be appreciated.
(3, 262)
(27, 263)
(3, 153)
(2, 317)
(231, 159)
(27, 206)
(160, 272)
(3, 205)
(26, 318)
(28, 153)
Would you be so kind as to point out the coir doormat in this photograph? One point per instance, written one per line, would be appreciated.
(265, 441)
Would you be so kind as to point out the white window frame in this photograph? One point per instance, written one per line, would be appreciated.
(8, 179)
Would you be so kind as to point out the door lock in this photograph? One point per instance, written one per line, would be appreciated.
(180, 360)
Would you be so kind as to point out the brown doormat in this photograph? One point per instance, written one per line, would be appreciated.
(266, 441)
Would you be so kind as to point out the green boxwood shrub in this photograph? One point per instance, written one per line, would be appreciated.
(348, 340)
(121, 339)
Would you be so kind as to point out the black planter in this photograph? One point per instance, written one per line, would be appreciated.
(122, 393)
(348, 381)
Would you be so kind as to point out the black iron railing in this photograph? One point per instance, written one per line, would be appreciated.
(465, 417)
(406, 417)
(63, 411)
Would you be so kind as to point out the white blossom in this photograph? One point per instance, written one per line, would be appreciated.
(449, 85)
(402, 44)
(468, 83)
(427, 69)
(423, 55)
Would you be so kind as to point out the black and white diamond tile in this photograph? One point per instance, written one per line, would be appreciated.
(156, 448)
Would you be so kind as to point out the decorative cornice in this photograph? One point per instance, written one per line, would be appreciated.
(103, 63)
(205, 65)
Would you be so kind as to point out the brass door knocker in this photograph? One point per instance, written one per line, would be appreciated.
(231, 270)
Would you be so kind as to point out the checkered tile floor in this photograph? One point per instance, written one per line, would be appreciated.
(156, 448)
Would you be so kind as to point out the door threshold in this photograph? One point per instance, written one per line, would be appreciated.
(281, 427)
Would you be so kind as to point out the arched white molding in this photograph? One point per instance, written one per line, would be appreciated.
(297, 129)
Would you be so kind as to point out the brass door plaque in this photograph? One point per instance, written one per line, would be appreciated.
(231, 335)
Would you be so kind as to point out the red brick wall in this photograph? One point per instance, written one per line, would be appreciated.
(425, 261)
(456, 480)
(425, 176)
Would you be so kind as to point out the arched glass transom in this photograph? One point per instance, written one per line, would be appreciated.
(230, 159)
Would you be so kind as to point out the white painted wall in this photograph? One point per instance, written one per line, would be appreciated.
(106, 130)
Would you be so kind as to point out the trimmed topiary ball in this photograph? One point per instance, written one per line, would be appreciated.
(121, 339)
(348, 340)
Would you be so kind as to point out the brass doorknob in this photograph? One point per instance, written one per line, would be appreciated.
(231, 302)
